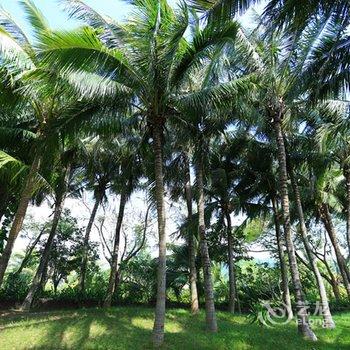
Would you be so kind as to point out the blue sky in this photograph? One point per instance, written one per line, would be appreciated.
(52, 10)
(57, 18)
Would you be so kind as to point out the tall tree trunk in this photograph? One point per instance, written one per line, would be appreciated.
(191, 241)
(302, 315)
(326, 313)
(26, 195)
(86, 244)
(335, 288)
(282, 261)
(118, 278)
(115, 252)
(347, 182)
(332, 281)
(41, 270)
(30, 251)
(328, 223)
(158, 328)
(231, 265)
(207, 275)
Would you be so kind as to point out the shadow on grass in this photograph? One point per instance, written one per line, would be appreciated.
(130, 328)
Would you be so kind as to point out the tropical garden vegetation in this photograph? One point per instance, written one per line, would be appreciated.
(234, 133)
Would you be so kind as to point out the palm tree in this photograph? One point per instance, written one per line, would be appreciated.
(279, 79)
(325, 200)
(178, 179)
(149, 59)
(332, 129)
(221, 189)
(100, 169)
(256, 187)
(47, 98)
(124, 184)
(328, 320)
(60, 189)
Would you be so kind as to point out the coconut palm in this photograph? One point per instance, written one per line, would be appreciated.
(279, 76)
(224, 199)
(100, 169)
(124, 184)
(60, 192)
(332, 130)
(178, 179)
(148, 58)
(48, 101)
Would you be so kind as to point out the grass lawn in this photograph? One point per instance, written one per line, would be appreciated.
(130, 328)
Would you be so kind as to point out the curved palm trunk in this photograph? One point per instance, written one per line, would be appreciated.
(326, 313)
(191, 242)
(283, 264)
(41, 270)
(231, 265)
(158, 327)
(347, 182)
(19, 216)
(115, 252)
(328, 223)
(207, 275)
(86, 245)
(302, 315)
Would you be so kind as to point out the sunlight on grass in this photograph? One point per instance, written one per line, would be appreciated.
(97, 329)
(142, 323)
(131, 328)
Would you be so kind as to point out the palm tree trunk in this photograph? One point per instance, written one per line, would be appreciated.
(347, 182)
(30, 251)
(332, 281)
(41, 270)
(335, 288)
(328, 223)
(207, 275)
(86, 245)
(19, 216)
(303, 318)
(115, 252)
(326, 313)
(231, 265)
(283, 264)
(191, 242)
(158, 327)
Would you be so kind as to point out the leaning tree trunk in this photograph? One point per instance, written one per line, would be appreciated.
(302, 315)
(281, 258)
(332, 281)
(41, 270)
(347, 182)
(326, 313)
(231, 265)
(115, 252)
(210, 314)
(328, 223)
(191, 241)
(158, 327)
(29, 252)
(84, 262)
(19, 216)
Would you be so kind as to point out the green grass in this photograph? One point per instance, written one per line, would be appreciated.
(130, 328)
